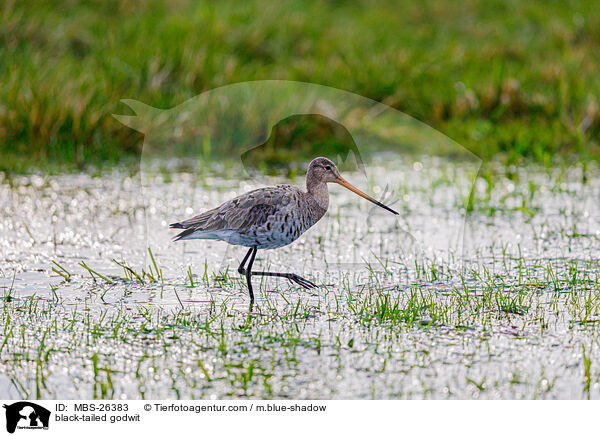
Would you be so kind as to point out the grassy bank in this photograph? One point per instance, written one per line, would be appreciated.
(503, 78)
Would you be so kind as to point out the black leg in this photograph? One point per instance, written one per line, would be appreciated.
(306, 284)
(241, 269)
(252, 253)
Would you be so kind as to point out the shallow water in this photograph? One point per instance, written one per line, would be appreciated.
(502, 302)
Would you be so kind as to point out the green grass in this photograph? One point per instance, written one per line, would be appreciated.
(224, 348)
(512, 318)
(506, 79)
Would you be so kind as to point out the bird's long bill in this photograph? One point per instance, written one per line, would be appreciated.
(347, 185)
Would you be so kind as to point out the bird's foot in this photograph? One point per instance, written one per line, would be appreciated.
(306, 284)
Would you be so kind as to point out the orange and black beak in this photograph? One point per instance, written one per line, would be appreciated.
(345, 184)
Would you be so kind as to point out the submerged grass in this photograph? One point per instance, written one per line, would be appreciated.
(517, 316)
(118, 350)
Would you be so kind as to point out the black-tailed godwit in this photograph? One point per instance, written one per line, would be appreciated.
(270, 217)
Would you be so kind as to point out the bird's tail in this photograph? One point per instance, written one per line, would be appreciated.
(183, 234)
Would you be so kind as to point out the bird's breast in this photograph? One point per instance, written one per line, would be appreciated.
(288, 224)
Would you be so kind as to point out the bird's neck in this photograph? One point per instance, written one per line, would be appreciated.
(320, 193)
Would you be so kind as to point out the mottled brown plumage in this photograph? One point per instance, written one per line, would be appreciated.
(270, 217)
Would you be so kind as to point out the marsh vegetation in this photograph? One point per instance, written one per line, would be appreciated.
(97, 302)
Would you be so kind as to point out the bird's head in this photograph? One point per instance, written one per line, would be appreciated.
(323, 170)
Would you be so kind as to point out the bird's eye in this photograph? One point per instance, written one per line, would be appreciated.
(327, 167)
